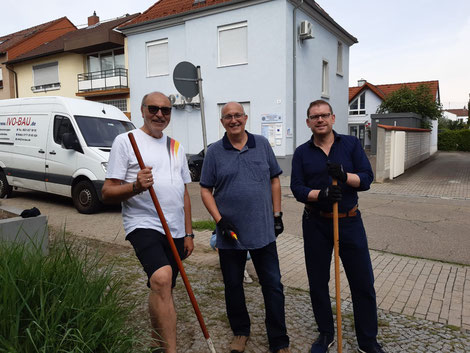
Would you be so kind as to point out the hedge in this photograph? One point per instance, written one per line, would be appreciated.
(454, 140)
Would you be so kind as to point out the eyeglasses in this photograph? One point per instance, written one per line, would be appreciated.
(318, 116)
(153, 109)
(229, 117)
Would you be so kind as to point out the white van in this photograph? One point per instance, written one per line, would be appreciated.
(58, 145)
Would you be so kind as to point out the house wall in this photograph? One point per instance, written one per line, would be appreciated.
(417, 149)
(261, 82)
(8, 90)
(266, 81)
(372, 103)
(69, 65)
(310, 56)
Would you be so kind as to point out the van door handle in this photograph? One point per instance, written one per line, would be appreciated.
(52, 152)
(41, 151)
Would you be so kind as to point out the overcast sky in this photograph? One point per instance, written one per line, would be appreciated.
(399, 40)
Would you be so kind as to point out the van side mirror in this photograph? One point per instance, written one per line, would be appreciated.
(70, 142)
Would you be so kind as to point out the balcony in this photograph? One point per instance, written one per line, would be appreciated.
(106, 81)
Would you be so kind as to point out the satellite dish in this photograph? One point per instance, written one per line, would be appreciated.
(185, 79)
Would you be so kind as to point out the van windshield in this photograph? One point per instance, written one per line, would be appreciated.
(100, 132)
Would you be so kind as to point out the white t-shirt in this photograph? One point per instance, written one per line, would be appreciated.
(170, 172)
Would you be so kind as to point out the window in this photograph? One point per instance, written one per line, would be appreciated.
(103, 64)
(1, 78)
(233, 44)
(118, 103)
(339, 59)
(157, 58)
(325, 89)
(46, 77)
(358, 105)
(62, 125)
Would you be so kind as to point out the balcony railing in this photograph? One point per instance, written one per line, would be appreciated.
(102, 80)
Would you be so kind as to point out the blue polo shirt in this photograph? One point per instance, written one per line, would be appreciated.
(241, 180)
(309, 170)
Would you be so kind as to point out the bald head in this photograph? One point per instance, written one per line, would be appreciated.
(156, 94)
(232, 105)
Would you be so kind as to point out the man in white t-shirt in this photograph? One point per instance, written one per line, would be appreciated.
(166, 170)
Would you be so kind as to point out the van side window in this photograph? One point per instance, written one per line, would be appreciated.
(62, 125)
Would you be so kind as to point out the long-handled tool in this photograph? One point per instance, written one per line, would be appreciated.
(337, 279)
(173, 249)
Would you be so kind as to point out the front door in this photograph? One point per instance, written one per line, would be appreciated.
(358, 131)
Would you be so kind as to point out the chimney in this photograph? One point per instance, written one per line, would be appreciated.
(92, 20)
(361, 82)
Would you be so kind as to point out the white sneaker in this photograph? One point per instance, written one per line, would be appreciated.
(247, 278)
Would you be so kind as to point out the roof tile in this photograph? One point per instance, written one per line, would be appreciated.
(384, 90)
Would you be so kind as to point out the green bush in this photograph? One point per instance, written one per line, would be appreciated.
(66, 301)
(454, 140)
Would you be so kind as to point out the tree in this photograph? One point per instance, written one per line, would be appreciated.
(406, 100)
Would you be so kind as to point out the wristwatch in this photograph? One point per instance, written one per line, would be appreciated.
(134, 189)
(189, 235)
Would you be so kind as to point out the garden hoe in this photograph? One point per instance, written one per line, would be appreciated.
(339, 345)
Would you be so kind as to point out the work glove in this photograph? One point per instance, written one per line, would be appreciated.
(227, 229)
(330, 194)
(278, 225)
(336, 171)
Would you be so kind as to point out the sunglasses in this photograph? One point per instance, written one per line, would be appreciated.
(153, 109)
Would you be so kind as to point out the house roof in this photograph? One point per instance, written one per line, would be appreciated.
(169, 8)
(459, 112)
(11, 40)
(165, 8)
(384, 90)
(98, 36)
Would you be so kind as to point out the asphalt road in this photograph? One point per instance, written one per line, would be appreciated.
(427, 227)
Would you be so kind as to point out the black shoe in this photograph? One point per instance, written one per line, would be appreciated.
(374, 348)
(322, 343)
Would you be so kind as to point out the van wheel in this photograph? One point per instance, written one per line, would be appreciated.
(85, 198)
(5, 188)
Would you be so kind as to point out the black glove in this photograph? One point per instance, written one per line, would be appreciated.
(336, 171)
(331, 194)
(227, 229)
(32, 212)
(278, 225)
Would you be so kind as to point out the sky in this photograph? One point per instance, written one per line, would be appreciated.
(398, 41)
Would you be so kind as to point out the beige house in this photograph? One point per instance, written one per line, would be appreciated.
(16, 44)
(88, 63)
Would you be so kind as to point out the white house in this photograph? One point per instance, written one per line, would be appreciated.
(275, 56)
(365, 99)
(456, 114)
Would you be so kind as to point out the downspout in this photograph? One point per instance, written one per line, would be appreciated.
(16, 80)
(294, 69)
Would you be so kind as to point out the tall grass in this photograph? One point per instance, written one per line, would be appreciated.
(66, 301)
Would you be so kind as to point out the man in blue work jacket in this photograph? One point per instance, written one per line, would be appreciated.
(326, 156)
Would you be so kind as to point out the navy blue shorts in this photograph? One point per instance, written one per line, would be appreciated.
(153, 251)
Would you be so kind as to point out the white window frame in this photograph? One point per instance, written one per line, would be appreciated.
(339, 59)
(45, 86)
(1, 76)
(358, 110)
(221, 29)
(325, 79)
(164, 72)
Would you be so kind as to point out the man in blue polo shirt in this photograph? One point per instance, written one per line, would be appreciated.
(240, 188)
(325, 156)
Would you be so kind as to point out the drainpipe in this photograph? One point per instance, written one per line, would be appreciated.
(294, 69)
(16, 80)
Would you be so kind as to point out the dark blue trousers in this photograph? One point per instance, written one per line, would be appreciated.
(266, 263)
(354, 254)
